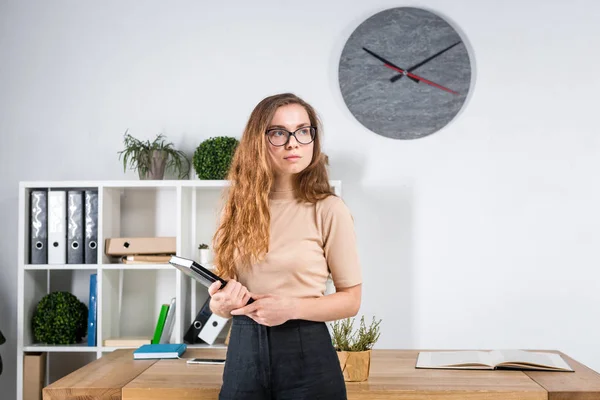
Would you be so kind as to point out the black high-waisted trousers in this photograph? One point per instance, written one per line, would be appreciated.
(295, 360)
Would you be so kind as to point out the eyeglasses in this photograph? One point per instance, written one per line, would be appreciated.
(281, 137)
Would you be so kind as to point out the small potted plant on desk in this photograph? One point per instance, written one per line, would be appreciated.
(354, 347)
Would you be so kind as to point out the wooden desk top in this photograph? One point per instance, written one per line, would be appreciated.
(392, 376)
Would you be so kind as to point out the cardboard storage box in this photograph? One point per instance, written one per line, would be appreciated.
(34, 375)
(140, 245)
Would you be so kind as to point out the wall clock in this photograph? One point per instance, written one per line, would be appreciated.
(404, 73)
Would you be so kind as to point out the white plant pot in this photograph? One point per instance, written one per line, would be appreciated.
(204, 256)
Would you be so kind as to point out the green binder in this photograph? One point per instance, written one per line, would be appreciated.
(160, 324)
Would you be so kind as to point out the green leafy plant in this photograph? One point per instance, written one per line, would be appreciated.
(202, 246)
(212, 157)
(345, 338)
(60, 318)
(140, 155)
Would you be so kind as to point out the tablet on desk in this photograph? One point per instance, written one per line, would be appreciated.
(214, 361)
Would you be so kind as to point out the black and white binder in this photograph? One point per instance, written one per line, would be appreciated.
(212, 328)
(193, 332)
(57, 227)
(75, 227)
(38, 227)
(91, 227)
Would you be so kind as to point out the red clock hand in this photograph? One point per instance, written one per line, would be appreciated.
(425, 61)
(410, 74)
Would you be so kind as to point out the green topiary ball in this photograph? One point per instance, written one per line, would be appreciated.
(60, 318)
(213, 157)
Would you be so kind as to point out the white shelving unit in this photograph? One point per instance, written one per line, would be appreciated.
(129, 295)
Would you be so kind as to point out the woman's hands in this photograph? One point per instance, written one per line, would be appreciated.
(233, 296)
(269, 310)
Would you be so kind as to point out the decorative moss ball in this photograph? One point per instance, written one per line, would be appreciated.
(60, 318)
(212, 157)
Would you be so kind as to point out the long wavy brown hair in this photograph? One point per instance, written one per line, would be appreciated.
(242, 236)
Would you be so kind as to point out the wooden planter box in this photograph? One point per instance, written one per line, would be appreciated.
(355, 365)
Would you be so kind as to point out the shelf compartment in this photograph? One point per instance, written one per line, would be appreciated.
(137, 212)
(39, 283)
(132, 299)
(60, 364)
(43, 220)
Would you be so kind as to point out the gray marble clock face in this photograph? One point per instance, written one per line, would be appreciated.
(391, 103)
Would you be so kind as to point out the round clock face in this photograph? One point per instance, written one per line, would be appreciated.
(404, 73)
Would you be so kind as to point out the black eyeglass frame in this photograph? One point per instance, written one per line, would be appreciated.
(290, 134)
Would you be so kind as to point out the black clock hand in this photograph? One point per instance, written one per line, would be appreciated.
(425, 61)
(409, 74)
(383, 60)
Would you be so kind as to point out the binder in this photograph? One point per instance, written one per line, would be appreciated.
(93, 311)
(213, 327)
(91, 227)
(38, 227)
(57, 227)
(160, 324)
(75, 227)
(165, 336)
(191, 336)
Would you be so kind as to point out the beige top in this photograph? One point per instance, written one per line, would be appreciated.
(307, 242)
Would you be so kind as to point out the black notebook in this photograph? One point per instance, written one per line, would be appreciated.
(194, 270)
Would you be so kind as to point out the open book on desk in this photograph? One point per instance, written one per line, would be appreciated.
(496, 359)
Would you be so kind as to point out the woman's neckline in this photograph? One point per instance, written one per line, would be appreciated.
(283, 194)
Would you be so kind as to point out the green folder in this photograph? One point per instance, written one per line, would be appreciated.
(160, 324)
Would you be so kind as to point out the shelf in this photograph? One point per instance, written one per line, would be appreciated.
(53, 267)
(134, 183)
(111, 348)
(60, 348)
(138, 267)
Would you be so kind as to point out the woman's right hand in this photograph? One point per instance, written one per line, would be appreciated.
(234, 295)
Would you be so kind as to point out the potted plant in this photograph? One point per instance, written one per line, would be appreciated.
(2, 341)
(204, 253)
(212, 157)
(354, 347)
(151, 159)
(59, 318)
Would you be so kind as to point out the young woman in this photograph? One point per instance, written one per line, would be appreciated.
(282, 232)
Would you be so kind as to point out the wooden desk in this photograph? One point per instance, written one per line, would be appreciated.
(393, 376)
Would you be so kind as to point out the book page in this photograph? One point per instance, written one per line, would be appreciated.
(454, 358)
(550, 360)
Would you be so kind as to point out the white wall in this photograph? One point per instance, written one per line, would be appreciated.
(483, 235)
